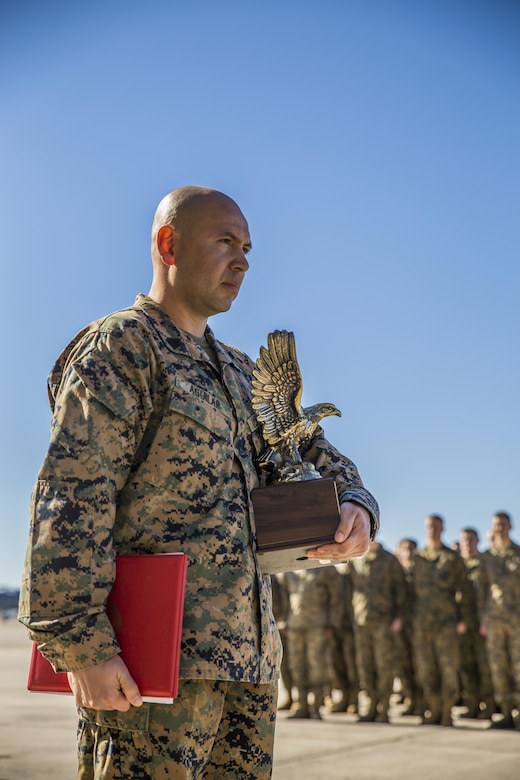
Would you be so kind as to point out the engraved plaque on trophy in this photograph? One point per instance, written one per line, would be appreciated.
(296, 509)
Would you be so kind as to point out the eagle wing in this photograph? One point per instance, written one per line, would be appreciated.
(277, 387)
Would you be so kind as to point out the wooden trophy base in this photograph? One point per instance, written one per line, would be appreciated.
(291, 518)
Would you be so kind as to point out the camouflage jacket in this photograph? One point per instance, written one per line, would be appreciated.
(315, 598)
(442, 590)
(473, 569)
(378, 587)
(499, 584)
(151, 451)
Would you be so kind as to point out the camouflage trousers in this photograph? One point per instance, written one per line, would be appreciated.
(503, 646)
(343, 662)
(214, 730)
(285, 668)
(437, 656)
(309, 657)
(475, 674)
(375, 660)
(405, 666)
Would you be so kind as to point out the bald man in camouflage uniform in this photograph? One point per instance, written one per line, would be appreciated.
(499, 583)
(379, 601)
(442, 610)
(153, 450)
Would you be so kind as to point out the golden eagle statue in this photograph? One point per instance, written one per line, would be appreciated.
(276, 397)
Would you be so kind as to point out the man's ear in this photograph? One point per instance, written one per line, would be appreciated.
(166, 236)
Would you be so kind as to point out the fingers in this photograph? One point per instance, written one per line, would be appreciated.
(351, 538)
(106, 686)
(130, 690)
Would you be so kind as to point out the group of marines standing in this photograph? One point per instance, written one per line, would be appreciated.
(443, 621)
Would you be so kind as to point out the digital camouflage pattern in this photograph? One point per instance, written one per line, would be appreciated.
(315, 611)
(499, 584)
(475, 674)
(442, 598)
(378, 597)
(499, 597)
(378, 587)
(345, 676)
(375, 662)
(151, 451)
(315, 598)
(405, 665)
(437, 654)
(442, 591)
(173, 742)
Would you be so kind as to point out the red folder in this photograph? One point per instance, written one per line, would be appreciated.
(145, 607)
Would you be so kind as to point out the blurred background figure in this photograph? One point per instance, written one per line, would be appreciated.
(442, 604)
(379, 600)
(499, 590)
(475, 674)
(345, 678)
(281, 612)
(405, 668)
(315, 613)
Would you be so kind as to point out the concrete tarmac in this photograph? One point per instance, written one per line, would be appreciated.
(37, 738)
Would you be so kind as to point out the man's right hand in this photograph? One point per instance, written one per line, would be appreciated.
(106, 686)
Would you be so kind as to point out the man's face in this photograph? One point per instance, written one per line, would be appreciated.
(406, 552)
(500, 526)
(433, 528)
(468, 544)
(210, 257)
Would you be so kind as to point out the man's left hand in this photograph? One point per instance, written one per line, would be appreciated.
(351, 538)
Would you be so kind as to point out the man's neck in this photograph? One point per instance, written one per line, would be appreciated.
(501, 543)
(182, 318)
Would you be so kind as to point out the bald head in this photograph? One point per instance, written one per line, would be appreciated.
(182, 207)
(200, 240)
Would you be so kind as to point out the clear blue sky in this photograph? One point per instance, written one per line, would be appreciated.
(373, 147)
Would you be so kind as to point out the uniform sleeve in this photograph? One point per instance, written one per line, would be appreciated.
(331, 463)
(99, 417)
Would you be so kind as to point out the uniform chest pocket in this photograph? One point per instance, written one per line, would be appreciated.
(192, 449)
(254, 436)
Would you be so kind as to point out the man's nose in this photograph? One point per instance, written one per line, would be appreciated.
(240, 262)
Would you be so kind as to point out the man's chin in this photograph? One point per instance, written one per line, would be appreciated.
(227, 301)
(221, 307)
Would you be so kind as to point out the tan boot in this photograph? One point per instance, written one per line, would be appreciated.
(318, 701)
(434, 708)
(302, 709)
(473, 708)
(370, 716)
(506, 722)
(342, 704)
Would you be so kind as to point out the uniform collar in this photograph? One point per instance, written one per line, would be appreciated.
(176, 339)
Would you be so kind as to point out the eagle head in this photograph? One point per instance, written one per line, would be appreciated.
(317, 412)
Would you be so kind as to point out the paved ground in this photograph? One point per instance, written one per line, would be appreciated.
(37, 739)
